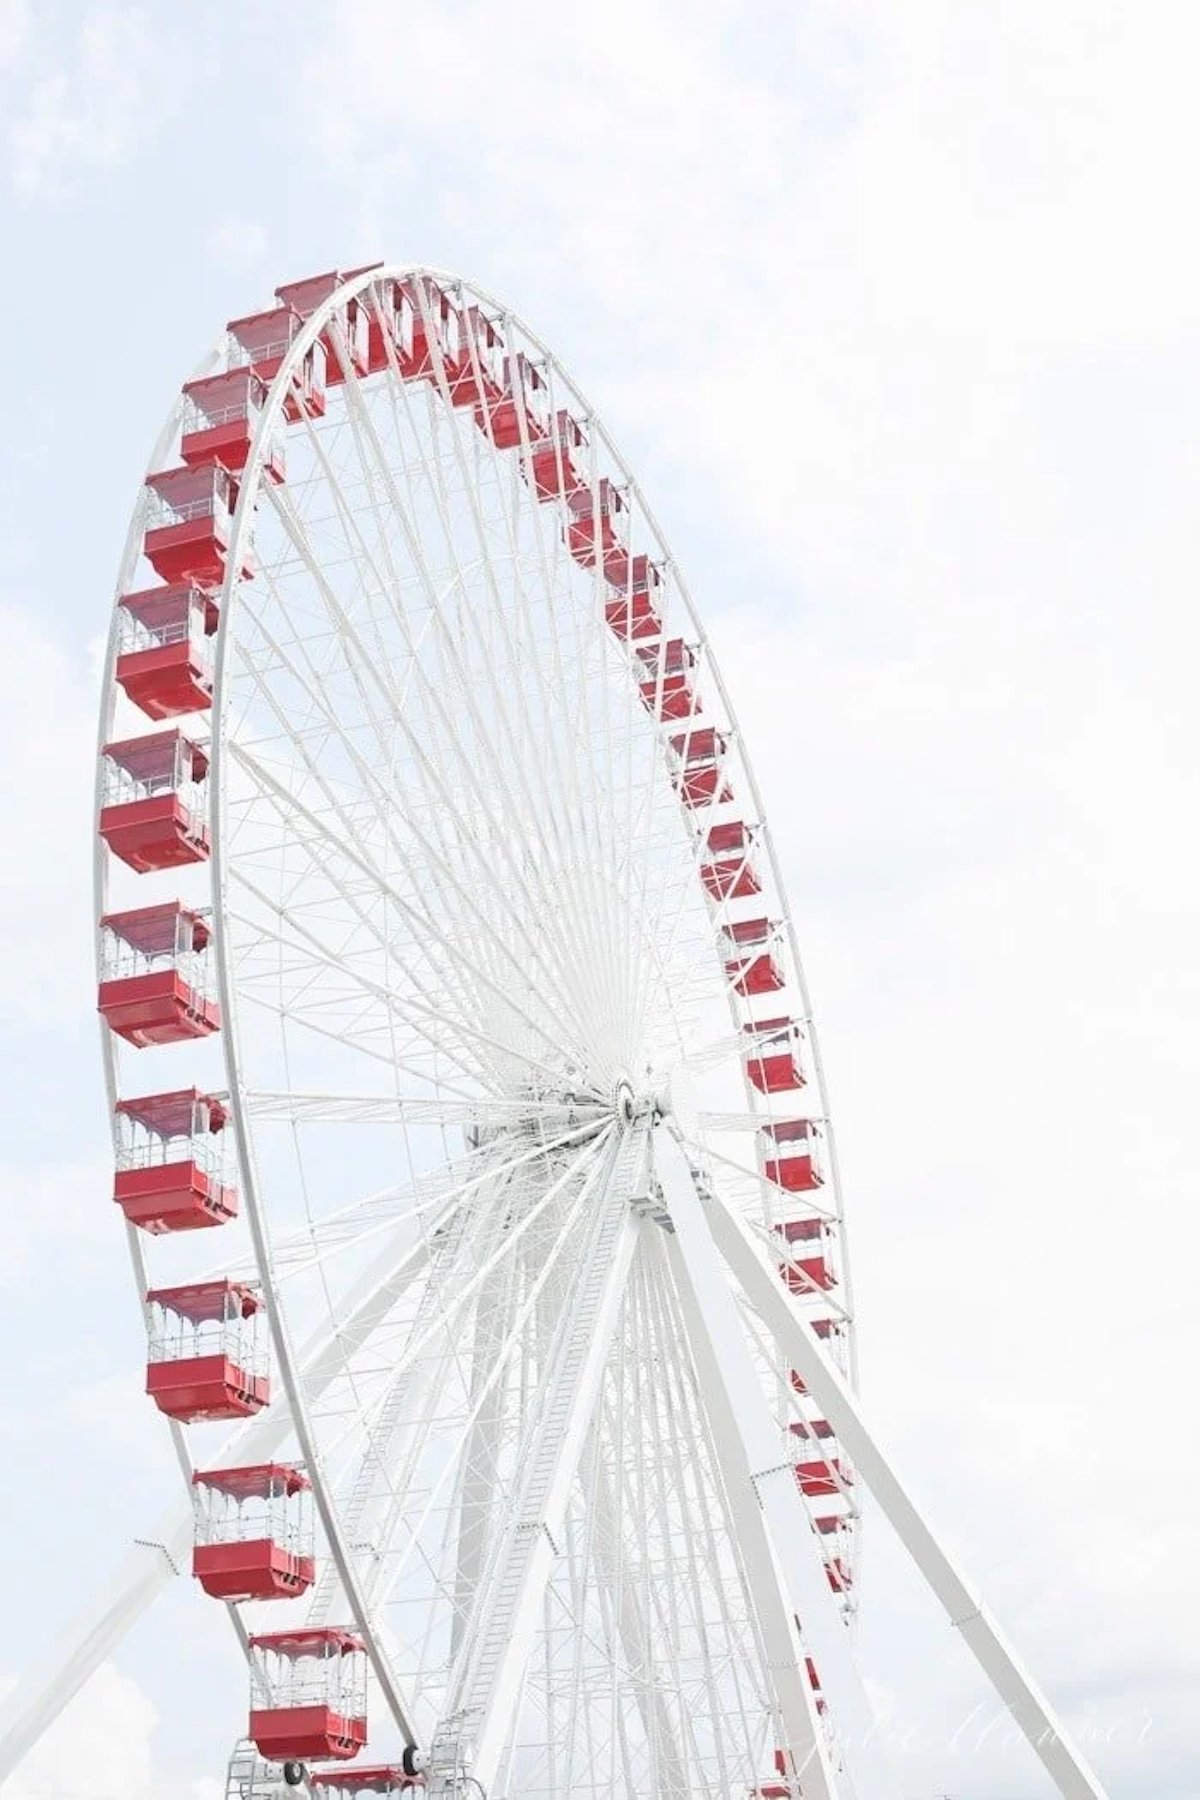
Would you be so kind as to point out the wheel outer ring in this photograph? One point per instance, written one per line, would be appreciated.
(239, 544)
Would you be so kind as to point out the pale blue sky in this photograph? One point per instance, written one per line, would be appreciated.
(895, 308)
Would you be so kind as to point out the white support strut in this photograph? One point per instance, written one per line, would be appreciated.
(489, 872)
(776, 1539)
(801, 1349)
(628, 1628)
(152, 1564)
(487, 1684)
(492, 1322)
(38, 1699)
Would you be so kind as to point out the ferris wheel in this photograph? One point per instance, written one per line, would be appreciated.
(470, 1129)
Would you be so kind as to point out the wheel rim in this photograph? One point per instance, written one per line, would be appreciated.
(452, 847)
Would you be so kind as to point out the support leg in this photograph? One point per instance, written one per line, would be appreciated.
(800, 1349)
(783, 1558)
(41, 1695)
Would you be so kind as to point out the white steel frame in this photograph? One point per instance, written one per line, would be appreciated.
(543, 1538)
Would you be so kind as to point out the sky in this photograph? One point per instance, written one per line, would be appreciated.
(895, 309)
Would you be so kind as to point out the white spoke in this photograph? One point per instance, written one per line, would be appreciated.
(387, 1109)
(468, 851)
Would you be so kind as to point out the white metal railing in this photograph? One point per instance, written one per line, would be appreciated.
(482, 343)
(197, 417)
(447, 329)
(175, 1339)
(134, 634)
(120, 786)
(607, 499)
(122, 961)
(338, 1681)
(534, 396)
(348, 332)
(223, 1518)
(567, 435)
(401, 325)
(733, 947)
(160, 511)
(140, 1148)
(810, 1135)
(241, 355)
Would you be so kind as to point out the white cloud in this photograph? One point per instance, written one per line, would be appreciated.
(999, 911)
(47, 742)
(926, 347)
(15, 19)
(237, 242)
(88, 110)
(100, 1746)
(900, 305)
(67, 1201)
(599, 148)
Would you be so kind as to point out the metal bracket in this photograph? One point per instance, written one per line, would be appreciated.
(153, 1544)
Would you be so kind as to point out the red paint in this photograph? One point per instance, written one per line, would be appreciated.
(174, 1196)
(285, 1732)
(205, 1387)
(257, 1569)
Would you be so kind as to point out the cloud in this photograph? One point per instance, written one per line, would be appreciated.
(897, 310)
(100, 1745)
(87, 111)
(67, 1200)
(607, 146)
(47, 742)
(997, 911)
(15, 20)
(924, 352)
(237, 242)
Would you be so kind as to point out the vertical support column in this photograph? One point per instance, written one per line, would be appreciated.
(480, 1462)
(801, 1350)
(626, 1629)
(777, 1541)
